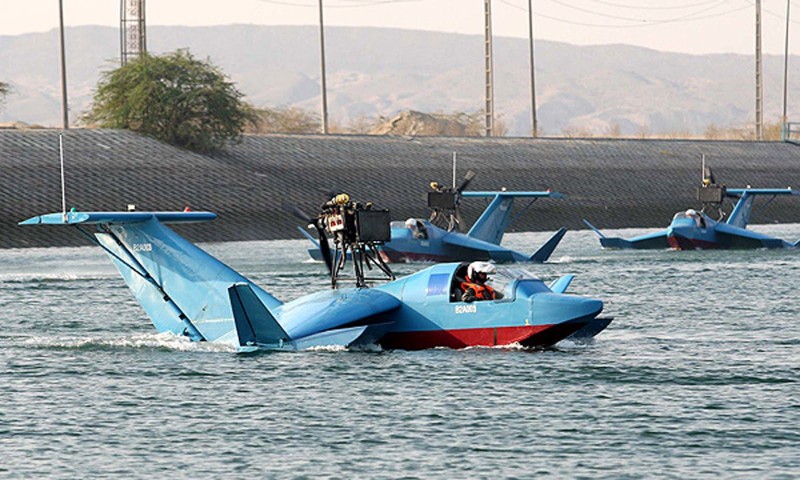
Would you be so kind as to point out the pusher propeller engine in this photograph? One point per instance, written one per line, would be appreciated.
(356, 230)
(446, 203)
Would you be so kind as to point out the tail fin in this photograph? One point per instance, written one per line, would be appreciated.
(544, 252)
(255, 324)
(561, 285)
(740, 216)
(182, 288)
(797, 243)
(493, 222)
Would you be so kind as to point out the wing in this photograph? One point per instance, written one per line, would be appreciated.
(652, 241)
(334, 309)
(740, 238)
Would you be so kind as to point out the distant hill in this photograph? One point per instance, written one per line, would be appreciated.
(379, 72)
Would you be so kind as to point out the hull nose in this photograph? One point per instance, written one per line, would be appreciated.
(678, 239)
(564, 315)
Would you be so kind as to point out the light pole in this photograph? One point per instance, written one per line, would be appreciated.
(534, 126)
(488, 63)
(784, 117)
(64, 108)
(759, 87)
(322, 68)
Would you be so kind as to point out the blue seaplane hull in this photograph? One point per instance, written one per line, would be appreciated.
(186, 291)
(419, 240)
(692, 230)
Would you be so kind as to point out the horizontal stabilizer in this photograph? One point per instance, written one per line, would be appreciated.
(561, 285)
(74, 218)
(738, 192)
(255, 325)
(797, 243)
(544, 252)
(521, 194)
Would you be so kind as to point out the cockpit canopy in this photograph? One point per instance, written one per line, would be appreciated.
(501, 281)
(687, 217)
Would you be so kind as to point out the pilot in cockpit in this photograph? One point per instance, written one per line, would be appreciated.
(475, 285)
(698, 219)
(417, 228)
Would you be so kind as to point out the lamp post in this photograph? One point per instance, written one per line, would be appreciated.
(64, 108)
(488, 64)
(784, 117)
(534, 126)
(322, 69)
(759, 87)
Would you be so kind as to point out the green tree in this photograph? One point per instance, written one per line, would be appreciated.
(174, 98)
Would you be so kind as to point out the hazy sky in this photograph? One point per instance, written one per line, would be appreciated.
(692, 26)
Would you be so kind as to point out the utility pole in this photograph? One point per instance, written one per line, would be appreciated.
(784, 117)
(759, 86)
(64, 107)
(489, 110)
(534, 126)
(322, 69)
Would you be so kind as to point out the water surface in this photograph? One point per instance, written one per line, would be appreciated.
(697, 377)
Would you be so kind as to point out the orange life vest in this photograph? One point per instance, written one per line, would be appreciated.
(482, 292)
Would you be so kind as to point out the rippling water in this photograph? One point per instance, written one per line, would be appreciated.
(697, 377)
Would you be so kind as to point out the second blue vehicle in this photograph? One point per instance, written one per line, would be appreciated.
(422, 240)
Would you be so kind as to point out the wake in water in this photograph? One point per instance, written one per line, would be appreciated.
(160, 341)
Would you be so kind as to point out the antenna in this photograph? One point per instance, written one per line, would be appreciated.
(454, 169)
(759, 77)
(702, 168)
(132, 30)
(63, 188)
(488, 66)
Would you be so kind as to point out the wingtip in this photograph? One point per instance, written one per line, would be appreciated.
(544, 252)
(594, 229)
(31, 221)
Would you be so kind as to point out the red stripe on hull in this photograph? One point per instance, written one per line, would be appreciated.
(473, 337)
(682, 243)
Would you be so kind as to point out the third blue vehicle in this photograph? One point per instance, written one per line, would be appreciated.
(691, 230)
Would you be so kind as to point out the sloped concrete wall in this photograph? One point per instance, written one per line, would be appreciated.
(614, 183)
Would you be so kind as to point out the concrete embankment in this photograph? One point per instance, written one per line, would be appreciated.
(614, 183)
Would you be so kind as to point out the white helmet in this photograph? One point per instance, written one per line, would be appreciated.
(411, 223)
(480, 267)
(691, 212)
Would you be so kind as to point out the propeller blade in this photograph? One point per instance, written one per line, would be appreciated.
(709, 175)
(457, 217)
(295, 210)
(324, 247)
(467, 179)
